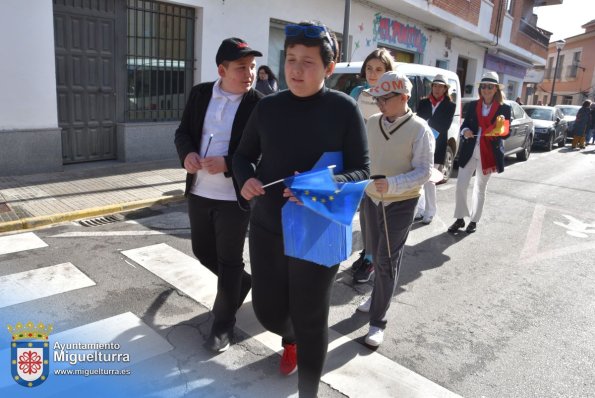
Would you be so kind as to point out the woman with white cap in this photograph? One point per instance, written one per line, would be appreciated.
(482, 151)
(438, 110)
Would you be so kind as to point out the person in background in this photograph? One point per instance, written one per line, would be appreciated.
(581, 125)
(591, 131)
(287, 133)
(479, 154)
(375, 65)
(267, 82)
(401, 158)
(438, 110)
(209, 132)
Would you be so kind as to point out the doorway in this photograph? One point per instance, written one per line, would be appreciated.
(84, 35)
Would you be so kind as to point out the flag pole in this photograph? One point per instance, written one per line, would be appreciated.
(332, 166)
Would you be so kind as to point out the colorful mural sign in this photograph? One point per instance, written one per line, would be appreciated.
(391, 31)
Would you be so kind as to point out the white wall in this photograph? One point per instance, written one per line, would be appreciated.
(27, 69)
(250, 20)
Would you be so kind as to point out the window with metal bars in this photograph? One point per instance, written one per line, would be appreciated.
(159, 61)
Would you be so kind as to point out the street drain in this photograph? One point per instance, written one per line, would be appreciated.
(97, 221)
(4, 207)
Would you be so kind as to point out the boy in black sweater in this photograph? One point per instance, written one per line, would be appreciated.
(287, 133)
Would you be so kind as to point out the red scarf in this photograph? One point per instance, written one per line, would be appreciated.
(486, 148)
(435, 101)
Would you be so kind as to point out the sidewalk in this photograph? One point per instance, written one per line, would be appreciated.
(87, 190)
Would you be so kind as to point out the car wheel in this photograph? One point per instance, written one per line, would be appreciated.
(550, 143)
(449, 159)
(562, 143)
(524, 154)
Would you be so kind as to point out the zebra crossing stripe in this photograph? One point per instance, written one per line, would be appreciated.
(179, 270)
(348, 362)
(42, 282)
(129, 331)
(20, 242)
(86, 234)
(126, 330)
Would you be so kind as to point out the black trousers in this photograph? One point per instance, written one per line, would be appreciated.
(291, 297)
(218, 231)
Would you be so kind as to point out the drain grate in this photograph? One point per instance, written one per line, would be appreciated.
(97, 221)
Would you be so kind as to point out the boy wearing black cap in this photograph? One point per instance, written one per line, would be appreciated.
(208, 135)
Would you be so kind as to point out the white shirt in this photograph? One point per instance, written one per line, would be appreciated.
(218, 123)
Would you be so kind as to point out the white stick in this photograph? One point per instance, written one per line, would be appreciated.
(332, 166)
(273, 183)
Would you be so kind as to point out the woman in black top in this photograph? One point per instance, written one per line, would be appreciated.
(267, 81)
(287, 133)
(438, 110)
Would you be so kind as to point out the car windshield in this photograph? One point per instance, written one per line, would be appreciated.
(538, 113)
(569, 111)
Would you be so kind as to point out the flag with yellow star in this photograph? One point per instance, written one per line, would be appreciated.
(320, 230)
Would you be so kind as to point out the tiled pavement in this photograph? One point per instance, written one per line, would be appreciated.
(87, 190)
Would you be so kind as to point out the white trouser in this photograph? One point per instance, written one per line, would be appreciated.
(427, 200)
(479, 188)
(426, 206)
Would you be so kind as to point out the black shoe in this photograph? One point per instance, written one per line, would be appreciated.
(364, 273)
(219, 342)
(471, 227)
(458, 224)
(358, 263)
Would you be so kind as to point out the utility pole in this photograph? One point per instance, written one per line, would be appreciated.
(345, 46)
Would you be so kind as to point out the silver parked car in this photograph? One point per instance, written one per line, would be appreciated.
(569, 112)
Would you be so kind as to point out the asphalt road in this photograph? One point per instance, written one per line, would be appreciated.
(505, 312)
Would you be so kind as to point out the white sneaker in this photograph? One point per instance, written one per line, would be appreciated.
(365, 306)
(427, 220)
(375, 336)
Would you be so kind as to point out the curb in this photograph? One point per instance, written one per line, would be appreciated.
(41, 221)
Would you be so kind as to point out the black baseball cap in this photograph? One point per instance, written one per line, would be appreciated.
(234, 48)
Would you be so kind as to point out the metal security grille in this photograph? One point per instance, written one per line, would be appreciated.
(160, 60)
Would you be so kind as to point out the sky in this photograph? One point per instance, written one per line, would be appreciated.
(565, 20)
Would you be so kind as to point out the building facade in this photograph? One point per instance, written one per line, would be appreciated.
(88, 80)
(574, 75)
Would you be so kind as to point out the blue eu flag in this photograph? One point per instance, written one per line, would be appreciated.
(320, 230)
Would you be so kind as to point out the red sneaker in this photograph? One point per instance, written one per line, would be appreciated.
(289, 359)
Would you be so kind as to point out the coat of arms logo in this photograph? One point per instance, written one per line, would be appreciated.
(30, 353)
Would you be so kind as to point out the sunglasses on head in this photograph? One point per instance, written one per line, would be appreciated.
(311, 32)
(487, 86)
